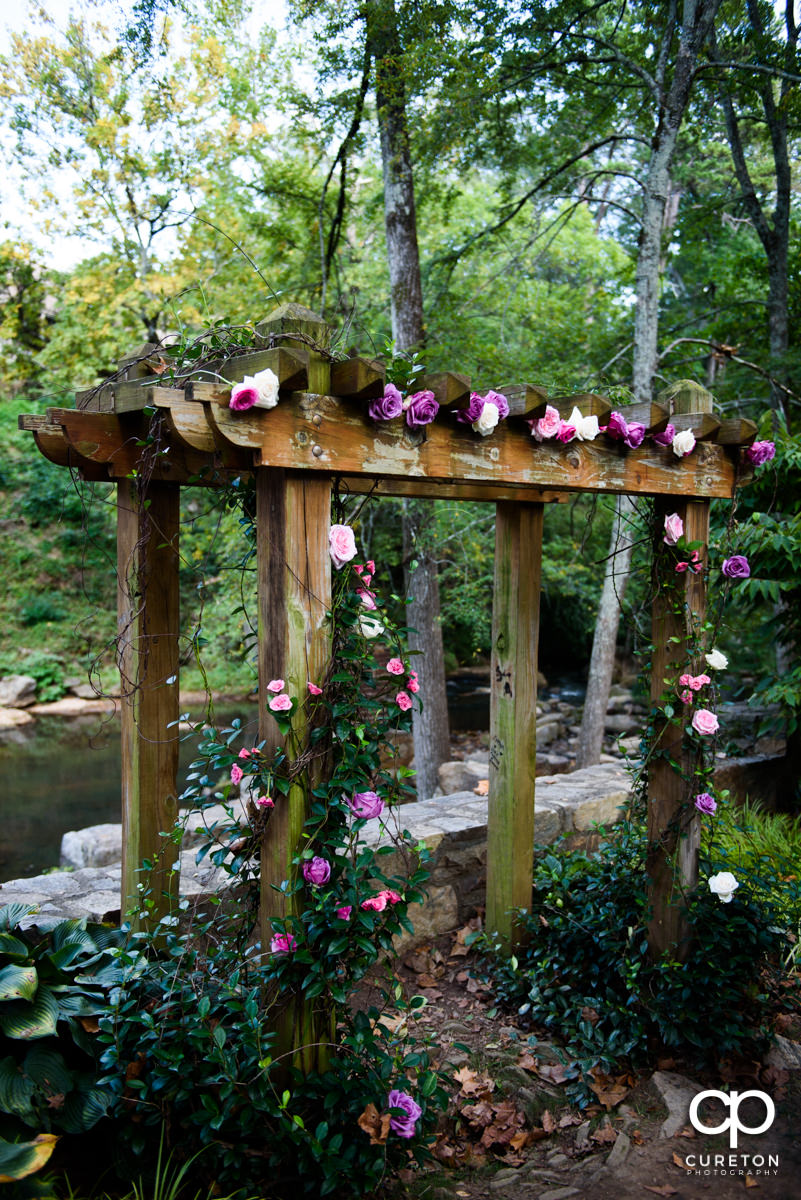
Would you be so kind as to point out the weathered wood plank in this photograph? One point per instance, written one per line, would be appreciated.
(704, 426)
(320, 433)
(52, 443)
(450, 388)
(147, 650)
(360, 378)
(588, 404)
(653, 416)
(525, 400)
(432, 490)
(513, 714)
(736, 431)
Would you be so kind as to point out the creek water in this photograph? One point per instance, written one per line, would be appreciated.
(61, 774)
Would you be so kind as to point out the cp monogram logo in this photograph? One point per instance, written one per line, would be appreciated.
(732, 1101)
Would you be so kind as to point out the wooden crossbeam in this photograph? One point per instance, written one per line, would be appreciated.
(361, 378)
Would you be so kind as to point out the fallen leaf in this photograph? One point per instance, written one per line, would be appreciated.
(568, 1119)
(663, 1189)
(609, 1089)
(545, 924)
(637, 1138)
(604, 1135)
(679, 1161)
(375, 1125)
(473, 1084)
(553, 1072)
(90, 1024)
(686, 1132)
(482, 788)
(750, 1181)
(527, 1061)
(548, 1123)
(56, 1100)
(590, 1014)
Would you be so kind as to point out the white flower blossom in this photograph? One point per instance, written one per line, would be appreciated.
(266, 384)
(683, 443)
(723, 886)
(370, 627)
(487, 419)
(717, 660)
(586, 427)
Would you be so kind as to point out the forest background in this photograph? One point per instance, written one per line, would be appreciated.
(209, 165)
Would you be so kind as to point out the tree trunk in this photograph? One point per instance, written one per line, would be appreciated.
(698, 20)
(429, 727)
(602, 661)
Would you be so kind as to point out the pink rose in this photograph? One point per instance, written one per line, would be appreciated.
(412, 685)
(693, 566)
(684, 680)
(316, 870)
(243, 753)
(236, 774)
(760, 452)
(264, 802)
(341, 545)
(344, 912)
(365, 804)
(665, 438)
(403, 701)
(243, 397)
(370, 566)
(548, 425)
(276, 685)
(367, 598)
(566, 432)
(698, 681)
(686, 696)
(376, 903)
(280, 703)
(674, 529)
(282, 943)
(390, 896)
(395, 666)
(314, 690)
(705, 722)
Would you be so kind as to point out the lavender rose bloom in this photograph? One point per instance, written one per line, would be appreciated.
(473, 411)
(316, 870)
(760, 452)
(365, 804)
(665, 438)
(387, 406)
(634, 435)
(404, 1126)
(617, 426)
(500, 402)
(705, 803)
(736, 567)
(421, 409)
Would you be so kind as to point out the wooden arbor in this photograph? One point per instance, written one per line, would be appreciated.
(152, 439)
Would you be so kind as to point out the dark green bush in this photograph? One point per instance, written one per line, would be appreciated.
(585, 973)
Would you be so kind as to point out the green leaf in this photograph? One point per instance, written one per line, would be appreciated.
(13, 946)
(16, 1090)
(12, 914)
(22, 1021)
(18, 983)
(48, 1071)
(18, 1159)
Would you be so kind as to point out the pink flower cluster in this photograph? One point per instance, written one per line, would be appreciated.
(283, 943)
(692, 683)
(694, 565)
(403, 699)
(379, 902)
(551, 425)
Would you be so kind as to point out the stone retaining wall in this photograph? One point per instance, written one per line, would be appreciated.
(454, 828)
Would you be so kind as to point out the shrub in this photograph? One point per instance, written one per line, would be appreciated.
(52, 990)
(584, 970)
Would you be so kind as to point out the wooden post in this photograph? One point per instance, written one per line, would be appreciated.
(679, 605)
(293, 515)
(147, 655)
(513, 714)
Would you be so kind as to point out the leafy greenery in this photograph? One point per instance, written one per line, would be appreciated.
(53, 987)
(583, 970)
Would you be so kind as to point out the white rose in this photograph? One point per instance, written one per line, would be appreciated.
(723, 886)
(487, 420)
(266, 384)
(717, 660)
(371, 627)
(683, 443)
(586, 427)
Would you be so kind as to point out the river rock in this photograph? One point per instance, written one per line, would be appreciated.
(461, 776)
(72, 706)
(548, 731)
(677, 1093)
(12, 718)
(621, 722)
(94, 846)
(17, 691)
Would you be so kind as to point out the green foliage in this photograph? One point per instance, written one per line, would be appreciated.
(53, 987)
(584, 972)
(748, 839)
(206, 1023)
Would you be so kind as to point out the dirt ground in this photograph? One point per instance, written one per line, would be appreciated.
(511, 1132)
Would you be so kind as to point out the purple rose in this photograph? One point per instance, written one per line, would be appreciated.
(404, 1126)
(736, 567)
(316, 870)
(421, 409)
(473, 411)
(665, 438)
(705, 803)
(760, 452)
(387, 406)
(365, 804)
(634, 435)
(616, 427)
